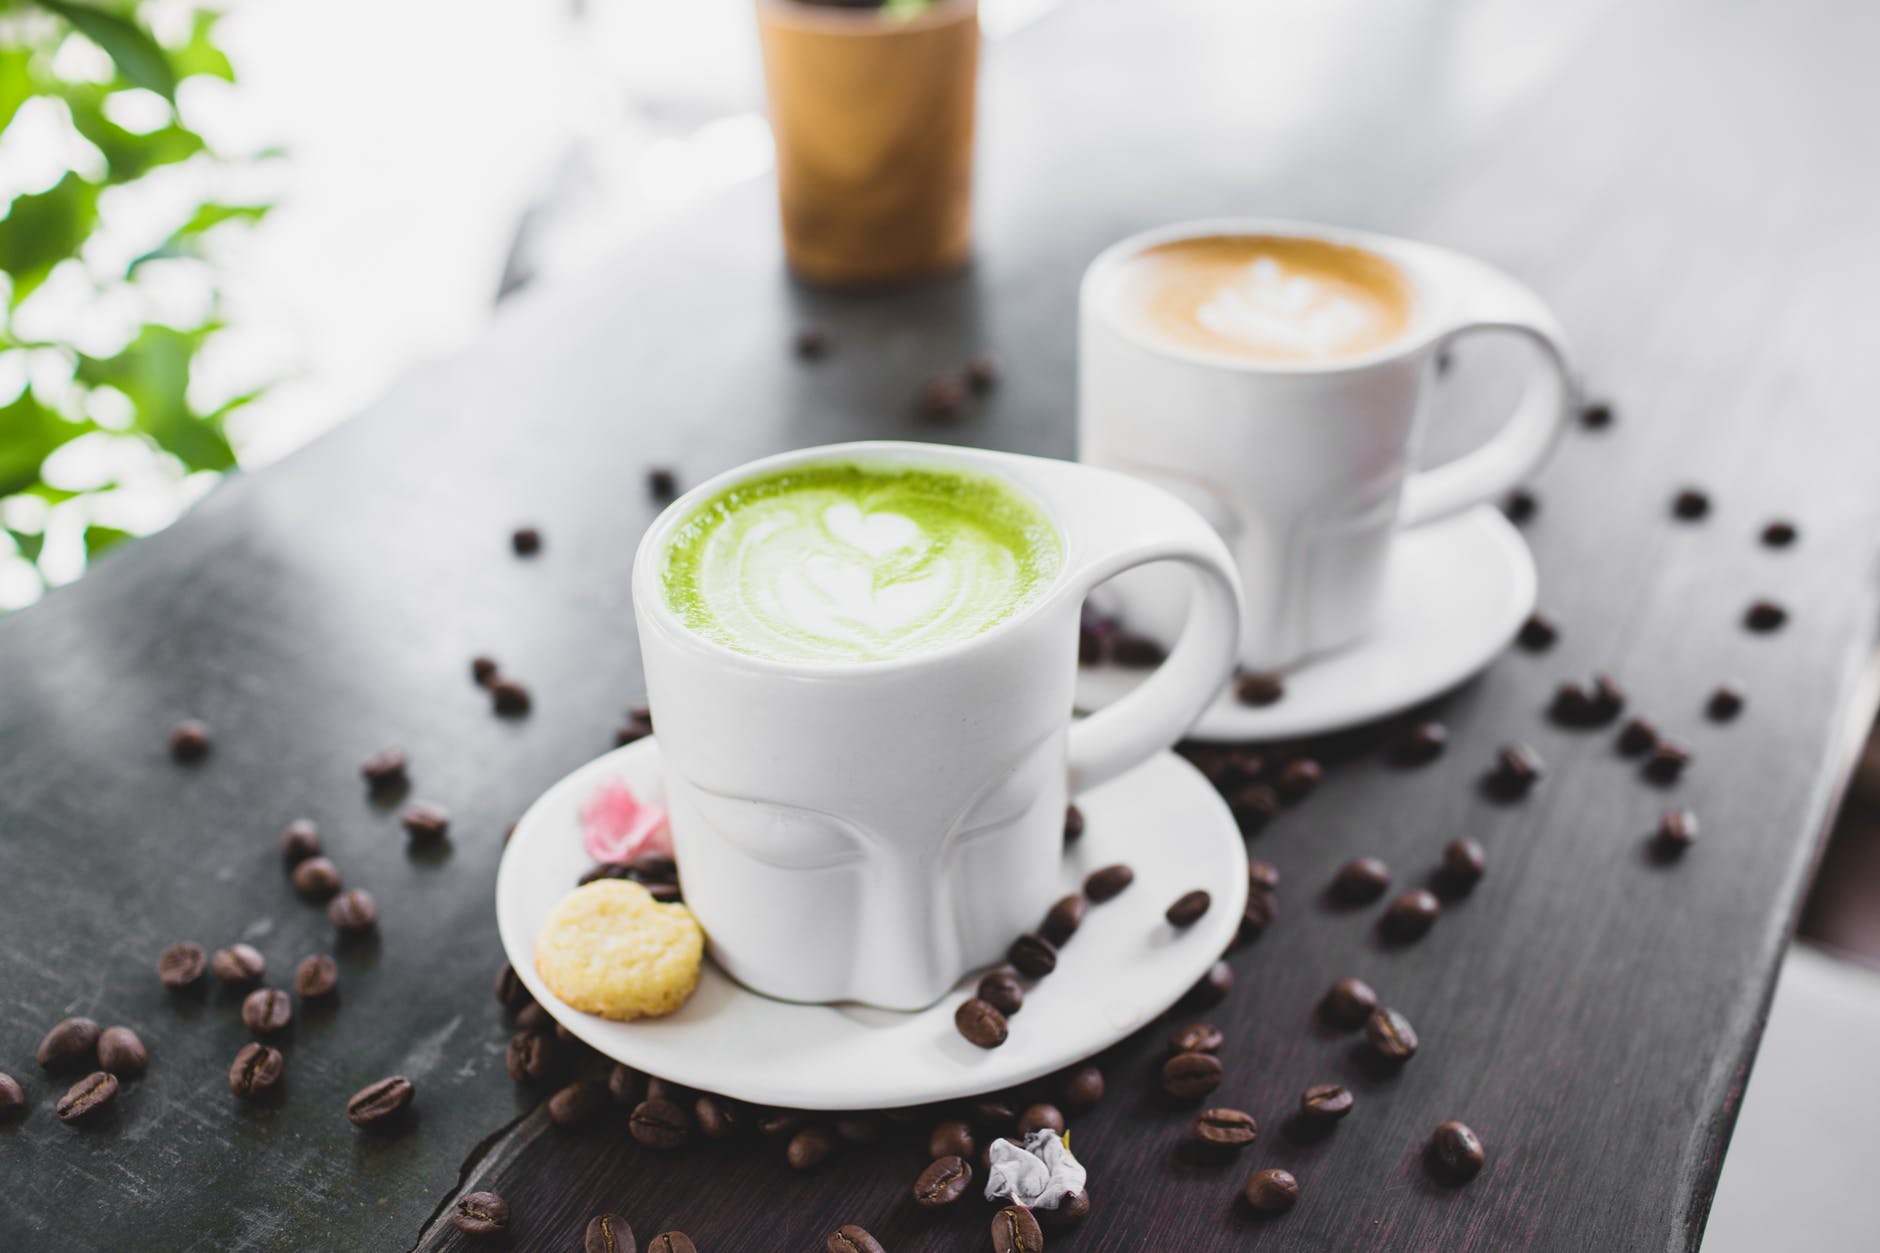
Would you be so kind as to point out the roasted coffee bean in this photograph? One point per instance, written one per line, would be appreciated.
(945, 1181)
(981, 1023)
(1537, 633)
(653, 868)
(1034, 955)
(1348, 1003)
(849, 1238)
(181, 966)
(1188, 908)
(480, 1214)
(530, 1057)
(1015, 1230)
(1725, 703)
(1002, 990)
(941, 397)
(810, 1147)
(1083, 1089)
(353, 912)
(1424, 742)
(578, 1104)
(1200, 1037)
(1677, 830)
(993, 1117)
(1062, 920)
(379, 1104)
(608, 1233)
(1360, 880)
(716, 1117)
(316, 878)
(1211, 988)
(1411, 915)
(662, 482)
(982, 373)
(671, 1242)
(1519, 505)
(630, 731)
(1608, 698)
(1456, 1151)
(1039, 1116)
(300, 840)
(526, 540)
(1667, 761)
(1690, 504)
(1258, 915)
(532, 1017)
(1073, 824)
(384, 770)
(1517, 769)
(1464, 864)
(1297, 778)
(1254, 806)
(1191, 1076)
(238, 965)
(1779, 534)
(483, 671)
(1136, 652)
(12, 1098)
(1072, 1209)
(811, 343)
(1259, 690)
(1226, 1128)
(781, 1124)
(425, 824)
(88, 1097)
(257, 1071)
(509, 988)
(665, 893)
(122, 1053)
(1108, 883)
(1572, 706)
(860, 1128)
(952, 1138)
(1638, 737)
(1764, 616)
(316, 977)
(1272, 1192)
(1390, 1035)
(659, 1124)
(189, 741)
(510, 698)
(1328, 1101)
(1262, 876)
(1596, 416)
(625, 1084)
(602, 870)
(1093, 644)
(72, 1043)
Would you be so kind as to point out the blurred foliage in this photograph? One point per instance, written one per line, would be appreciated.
(57, 228)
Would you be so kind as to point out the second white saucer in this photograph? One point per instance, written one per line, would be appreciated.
(1455, 592)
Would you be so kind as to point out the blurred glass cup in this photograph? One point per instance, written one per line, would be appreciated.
(872, 108)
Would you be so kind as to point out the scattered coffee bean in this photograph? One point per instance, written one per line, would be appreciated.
(852, 1239)
(353, 912)
(483, 671)
(1108, 883)
(1072, 1209)
(717, 1118)
(1765, 616)
(384, 770)
(1390, 1035)
(810, 1147)
(1424, 742)
(941, 397)
(1572, 706)
(1360, 880)
(1062, 921)
(121, 1053)
(1093, 644)
(72, 1043)
(1200, 1037)
(509, 989)
(945, 1181)
(626, 1085)
(1725, 703)
(1348, 1003)
(1690, 504)
(608, 1233)
(981, 1023)
(1411, 915)
(1464, 863)
(189, 741)
(1297, 778)
(662, 482)
(953, 1138)
(1014, 1230)
(994, 1117)
(509, 698)
(1779, 534)
(1259, 690)
(1226, 1128)
(659, 1124)
(480, 1214)
(1677, 830)
(1456, 1151)
(526, 540)
(1608, 698)
(378, 1104)
(1517, 769)
(1083, 1089)
(1255, 806)
(1136, 652)
(88, 1097)
(1073, 824)
(1272, 1191)
(1211, 988)
(982, 373)
(1002, 990)
(1597, 415)
(1639, 736)
(1519, 505)
(811, 343)
(300, 839)
(530, 1057)
(578, 1104)
(1034, 955)
(257, 1071)
(181, 966)
(1667, 761)
(238, 965)
(1188, 908)
(671, 1242)
(316, 878)
(781, 1124)
(634, 729)
(1262, 876)
(532, 1017)
(1327, 1101)
(1191, 1076)
(1537, 633)
(316, 977)
(1255, 918)
(12, 1098)
(1040, 1116)
(425, 824)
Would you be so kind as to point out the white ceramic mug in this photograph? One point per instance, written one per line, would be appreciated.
(1305, 469)
(872, 832)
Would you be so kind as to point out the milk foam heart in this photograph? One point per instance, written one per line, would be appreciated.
(850, 562)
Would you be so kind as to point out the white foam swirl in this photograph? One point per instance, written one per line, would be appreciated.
(1268, 306)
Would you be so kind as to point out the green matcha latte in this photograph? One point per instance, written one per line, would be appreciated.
(851, 561)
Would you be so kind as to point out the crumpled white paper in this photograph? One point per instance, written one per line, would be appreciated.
(1039, 1175)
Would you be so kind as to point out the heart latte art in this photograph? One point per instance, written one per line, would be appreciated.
(846, 562)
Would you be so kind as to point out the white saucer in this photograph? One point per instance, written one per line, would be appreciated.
(1455, 593)
(1124, 966)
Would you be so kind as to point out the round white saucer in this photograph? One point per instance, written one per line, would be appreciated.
(1455, 593)
(1124, 966)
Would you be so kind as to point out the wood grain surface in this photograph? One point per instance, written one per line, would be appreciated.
(1685, 183)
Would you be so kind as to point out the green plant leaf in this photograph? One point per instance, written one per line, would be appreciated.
(29, 433)
(200, 55)
(99, 538)
(184, 240)
(153, 370)
(128, 154)
(30, 543)
(16, 83)
(42, 229)
(138, 57)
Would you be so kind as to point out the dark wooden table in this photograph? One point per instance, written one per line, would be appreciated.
(1687, 183)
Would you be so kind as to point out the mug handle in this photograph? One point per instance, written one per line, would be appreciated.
(1114, 522)
(1493, 301)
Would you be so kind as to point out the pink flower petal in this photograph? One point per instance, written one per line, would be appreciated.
(617, 826)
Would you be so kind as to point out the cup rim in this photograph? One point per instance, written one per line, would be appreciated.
(861, 22)
(655, 614)
(1412, 259)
